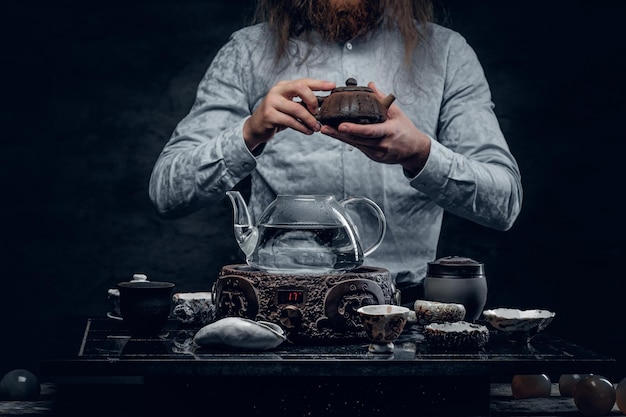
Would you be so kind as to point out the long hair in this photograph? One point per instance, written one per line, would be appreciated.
(290, 18)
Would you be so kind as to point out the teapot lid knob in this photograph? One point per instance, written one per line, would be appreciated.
(351, 82)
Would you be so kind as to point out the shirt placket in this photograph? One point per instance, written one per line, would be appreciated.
(353, 166)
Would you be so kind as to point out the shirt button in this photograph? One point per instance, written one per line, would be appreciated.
(349, 46)
(350, 148)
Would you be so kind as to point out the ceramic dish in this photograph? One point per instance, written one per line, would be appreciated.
(459, 335)
(428, 312)
(519, 324)
(240, 333)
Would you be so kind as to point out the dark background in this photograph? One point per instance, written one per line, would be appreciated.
(92, 90)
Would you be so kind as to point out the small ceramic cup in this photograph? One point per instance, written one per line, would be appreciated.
(383, 324)
(145, 306)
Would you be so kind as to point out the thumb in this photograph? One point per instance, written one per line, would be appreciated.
(378, 93)
(392, 112)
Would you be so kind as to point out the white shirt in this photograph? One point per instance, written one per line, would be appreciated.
(470, 170)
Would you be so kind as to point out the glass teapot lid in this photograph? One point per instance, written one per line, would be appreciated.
(304, 210)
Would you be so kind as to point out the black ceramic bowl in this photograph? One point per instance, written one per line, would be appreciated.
(145, 306)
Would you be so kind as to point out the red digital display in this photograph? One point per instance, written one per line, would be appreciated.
(290, 296)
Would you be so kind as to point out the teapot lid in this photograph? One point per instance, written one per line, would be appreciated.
(455, 267)
(351, 85)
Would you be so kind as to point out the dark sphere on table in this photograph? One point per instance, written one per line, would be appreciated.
(567, 383)
(620, 396)
(594, 396)
(530, 386)
(20, 385)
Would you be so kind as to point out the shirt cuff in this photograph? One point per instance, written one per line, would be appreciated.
(433, 177)
(237, 157)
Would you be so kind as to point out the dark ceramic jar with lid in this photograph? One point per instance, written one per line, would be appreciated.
(456, 279)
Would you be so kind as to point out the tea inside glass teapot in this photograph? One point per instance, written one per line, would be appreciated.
(303, 234)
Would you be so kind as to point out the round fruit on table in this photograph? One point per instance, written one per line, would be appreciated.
(20, 385)
(530, 386)
(594, 396)
(567, 382)
(620, 396)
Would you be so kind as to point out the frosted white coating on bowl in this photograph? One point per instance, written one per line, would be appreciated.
(458, 326)
(515, 320)
(185, 296)
(513, 313)
(378, 309)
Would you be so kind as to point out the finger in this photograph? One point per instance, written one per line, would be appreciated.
(331, 131)
(319, 85)
(282, 121)
(298, 112)
(304, 88)
(378, 93)
(368, 131)
(392, 111)
(280, 113)
(356, 141)
(279, 101)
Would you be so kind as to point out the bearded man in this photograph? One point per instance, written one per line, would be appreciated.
(441, 147)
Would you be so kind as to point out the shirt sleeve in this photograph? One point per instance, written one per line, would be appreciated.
(206, 154)
(470, 170)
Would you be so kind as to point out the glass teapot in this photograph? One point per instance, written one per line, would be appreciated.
(303, 234)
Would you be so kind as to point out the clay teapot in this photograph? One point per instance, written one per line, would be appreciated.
(353, 104)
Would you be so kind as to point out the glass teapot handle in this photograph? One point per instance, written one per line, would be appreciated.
(382, 223)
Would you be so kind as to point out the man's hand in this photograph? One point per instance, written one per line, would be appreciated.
(278, 110)
(395, 141)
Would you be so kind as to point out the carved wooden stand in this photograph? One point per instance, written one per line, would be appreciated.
(309, 307)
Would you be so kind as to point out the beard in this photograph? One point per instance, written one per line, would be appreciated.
(344, 20)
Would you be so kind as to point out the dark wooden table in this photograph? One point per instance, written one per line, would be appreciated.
(102, 364)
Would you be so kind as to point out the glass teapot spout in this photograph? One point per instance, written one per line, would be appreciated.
(246, 234)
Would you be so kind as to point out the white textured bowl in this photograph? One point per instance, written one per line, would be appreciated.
(522, 323)
(428, 312)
